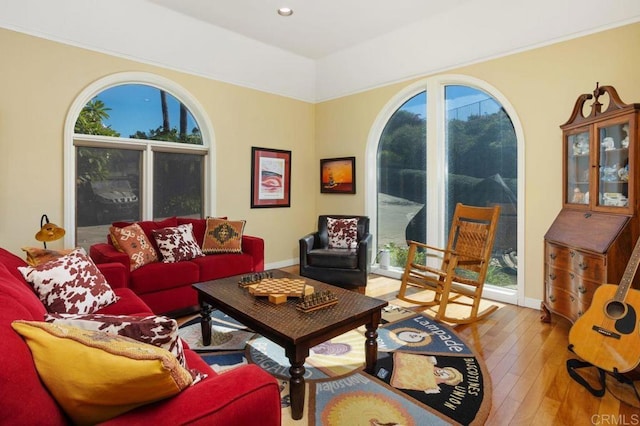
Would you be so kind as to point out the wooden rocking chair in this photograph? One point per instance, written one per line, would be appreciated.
(464, 265)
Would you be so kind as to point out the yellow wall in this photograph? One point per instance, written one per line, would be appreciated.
(40, 80)
(542, 85)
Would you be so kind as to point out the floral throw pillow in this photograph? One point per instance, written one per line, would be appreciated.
(343, 233)
(177, 243)
(70, 284)
(223, 236)
(133, 241)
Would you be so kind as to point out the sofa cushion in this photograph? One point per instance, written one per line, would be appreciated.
(17, 290)
(342, 233)
(117, 374)
(333, 258)
(128, 304)
(223, 265)
(223, 236)
(177, 243)
(70, 284)
(134, 242)
(160, 276)
(24, 401)
(12, 262)
(37, 256)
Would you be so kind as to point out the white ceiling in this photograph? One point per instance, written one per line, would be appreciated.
(317, 28)
(320, 52)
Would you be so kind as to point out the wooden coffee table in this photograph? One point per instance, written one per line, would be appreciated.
(290, 328)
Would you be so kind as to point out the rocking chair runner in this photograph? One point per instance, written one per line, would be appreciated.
(464, 266)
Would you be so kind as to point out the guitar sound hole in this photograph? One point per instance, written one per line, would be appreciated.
(616, 310)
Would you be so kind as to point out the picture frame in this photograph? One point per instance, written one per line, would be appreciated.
(270, 178)
(338, 175)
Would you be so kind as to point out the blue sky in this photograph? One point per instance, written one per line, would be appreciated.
(456, 97)
(137, 107)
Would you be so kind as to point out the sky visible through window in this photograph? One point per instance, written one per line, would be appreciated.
(137, 107)
(463, 99)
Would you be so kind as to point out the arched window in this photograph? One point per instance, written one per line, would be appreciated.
(137, 148)
(442, 141)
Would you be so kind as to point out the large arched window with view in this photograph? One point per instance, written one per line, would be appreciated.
(138, 154)
(442, 143)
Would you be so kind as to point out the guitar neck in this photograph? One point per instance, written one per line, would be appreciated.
(629, 273)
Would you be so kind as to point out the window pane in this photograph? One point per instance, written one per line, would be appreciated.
(402, 169)
(482, 163)
(141, 112)
(107, 190)
(177, 184)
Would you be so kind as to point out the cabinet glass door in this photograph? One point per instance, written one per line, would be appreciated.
(613, 181)
(578, 168)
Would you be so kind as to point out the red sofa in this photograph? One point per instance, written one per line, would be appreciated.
(239, 397)
(166, 287)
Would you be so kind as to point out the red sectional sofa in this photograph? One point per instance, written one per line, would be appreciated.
(166, 287)
(242, 396)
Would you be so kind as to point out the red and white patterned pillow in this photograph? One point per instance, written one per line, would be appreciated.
(177, 243)
(155, 330)
(134, 242)
(343, 233)
(70, 284)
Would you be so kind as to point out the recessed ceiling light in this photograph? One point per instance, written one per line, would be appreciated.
(285, 11)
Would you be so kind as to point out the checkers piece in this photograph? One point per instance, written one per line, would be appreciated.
(290, 287)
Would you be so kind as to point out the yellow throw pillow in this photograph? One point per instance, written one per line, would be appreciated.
(96, 376)
(223, 236)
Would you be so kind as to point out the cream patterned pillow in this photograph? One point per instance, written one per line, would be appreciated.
(343, 233)
(177, 243)
(70, 284)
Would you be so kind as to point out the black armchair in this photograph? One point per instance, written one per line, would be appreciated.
(344, 267)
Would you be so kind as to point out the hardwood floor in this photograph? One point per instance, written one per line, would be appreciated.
(526, 359)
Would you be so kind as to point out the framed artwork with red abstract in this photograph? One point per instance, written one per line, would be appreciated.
(270, 178)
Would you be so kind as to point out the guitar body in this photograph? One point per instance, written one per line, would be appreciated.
(608, 334)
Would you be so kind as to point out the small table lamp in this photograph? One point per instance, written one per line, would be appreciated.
(48, 231)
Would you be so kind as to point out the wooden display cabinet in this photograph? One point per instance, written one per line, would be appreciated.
(591, 240)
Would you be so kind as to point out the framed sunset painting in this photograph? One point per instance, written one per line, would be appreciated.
(338, 175)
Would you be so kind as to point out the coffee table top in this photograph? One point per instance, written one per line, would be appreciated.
(284, 322)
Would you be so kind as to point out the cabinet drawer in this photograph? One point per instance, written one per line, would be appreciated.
(557, 256)
(588, 266)
(561, 279)
(585, 290)
(563, 302)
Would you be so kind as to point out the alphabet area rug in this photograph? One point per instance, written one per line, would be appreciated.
(425, 375)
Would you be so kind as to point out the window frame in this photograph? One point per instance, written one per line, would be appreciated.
(207, 149)
(436, 133)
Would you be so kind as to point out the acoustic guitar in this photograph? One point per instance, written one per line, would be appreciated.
(608, 334)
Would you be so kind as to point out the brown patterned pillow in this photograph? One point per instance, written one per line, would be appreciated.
(133, 241)
(223, 236)
(343, 233)
(156, 330)
(70, 284)
(177, 243)
(37, 256)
